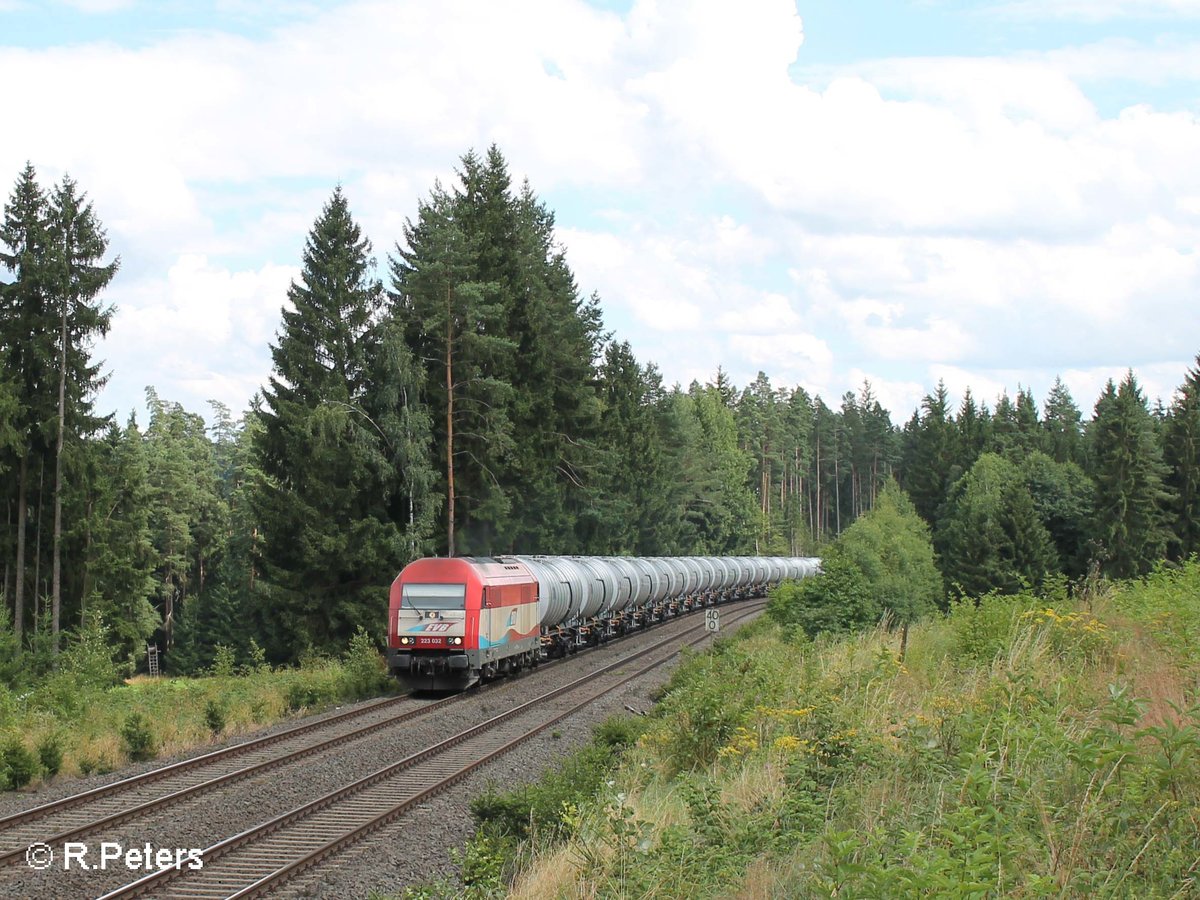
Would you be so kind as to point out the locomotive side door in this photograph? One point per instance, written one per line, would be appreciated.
(485, 622)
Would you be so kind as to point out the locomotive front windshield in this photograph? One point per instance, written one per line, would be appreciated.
(433, 596)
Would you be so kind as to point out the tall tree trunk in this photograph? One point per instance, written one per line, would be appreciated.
(87, 554)
(56, 550)
(837, 493)
(22, 514)
(820, 508)
(39, 592)
(449, 428)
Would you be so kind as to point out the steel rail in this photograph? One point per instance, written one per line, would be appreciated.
(23, 828)
(23, 838)
(277, 874)
(14, 829)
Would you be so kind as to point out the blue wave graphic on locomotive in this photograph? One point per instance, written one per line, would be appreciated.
(510, 635)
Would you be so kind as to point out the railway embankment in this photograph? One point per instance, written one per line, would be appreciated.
(1030, 745)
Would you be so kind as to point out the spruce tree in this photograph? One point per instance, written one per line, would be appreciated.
(27, 340)
(329, 497)
(632, 458)
(1181, 453)
(929, 455)
(1131, 497)
(120, 559)
(972, 432)
(77, 276)
(1064, 497)
(1061, 423)
(991, 537)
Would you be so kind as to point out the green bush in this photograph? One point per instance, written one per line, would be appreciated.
(88, 656)
(138, 739)
(224, 662)
(366, 672)
(543, 806)
(258, 660)
(303, 695)
(837, 601)
(50, 752)
(985, 628)
(89, 765)
(214, 716)
(19, 763)
(620, 731)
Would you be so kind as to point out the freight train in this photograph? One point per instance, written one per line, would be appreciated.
(453, 622)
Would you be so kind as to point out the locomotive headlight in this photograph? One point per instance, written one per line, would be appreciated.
(405, 640)
(455, 641)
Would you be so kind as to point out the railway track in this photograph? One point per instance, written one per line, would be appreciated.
(260, 859)
(81, 814)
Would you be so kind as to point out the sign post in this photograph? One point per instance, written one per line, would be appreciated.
(712, 620)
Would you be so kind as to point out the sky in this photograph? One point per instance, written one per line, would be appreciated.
(989, 193)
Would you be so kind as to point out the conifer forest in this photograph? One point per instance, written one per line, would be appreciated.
(453, 390)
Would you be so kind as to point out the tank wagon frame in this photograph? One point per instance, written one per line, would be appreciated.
(455, 621)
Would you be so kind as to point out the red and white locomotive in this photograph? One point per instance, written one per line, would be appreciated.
(453, 621)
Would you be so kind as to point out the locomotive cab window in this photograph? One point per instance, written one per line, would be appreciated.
(433, 596)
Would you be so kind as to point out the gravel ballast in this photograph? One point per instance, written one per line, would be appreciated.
(414, 849)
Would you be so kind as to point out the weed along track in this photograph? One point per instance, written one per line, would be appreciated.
(83, 814)
(262, 858)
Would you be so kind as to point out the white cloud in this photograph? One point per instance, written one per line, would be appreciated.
(899, 397)
(961, 213)
(1155, 63)
(771, 314)
(789, 358)
(203, 333)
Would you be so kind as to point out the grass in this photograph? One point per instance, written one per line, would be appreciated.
(99, 729)
(1029, 746)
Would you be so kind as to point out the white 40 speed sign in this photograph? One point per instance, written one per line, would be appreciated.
(712, 619)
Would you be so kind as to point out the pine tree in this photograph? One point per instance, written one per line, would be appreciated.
(328, 496)
(454, 325)
(1181, 453)
(510, 346)
(1127, 466)
(189, 517)
(797, 420)
(761, 435)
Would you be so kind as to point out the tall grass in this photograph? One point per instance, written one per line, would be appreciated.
(1028, 746)
(82, 727)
